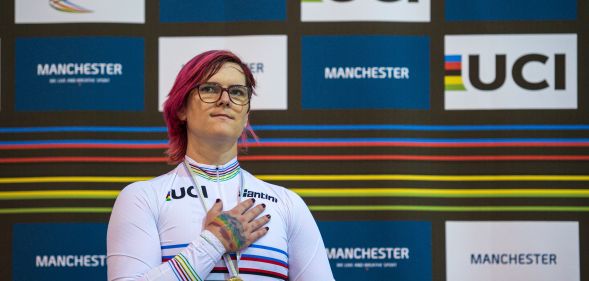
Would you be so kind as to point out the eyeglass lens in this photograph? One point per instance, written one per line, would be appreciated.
(210, 93)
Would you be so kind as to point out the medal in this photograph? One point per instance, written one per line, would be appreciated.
(235, 278)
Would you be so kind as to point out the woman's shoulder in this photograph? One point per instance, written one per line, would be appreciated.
(284, 194)
(151, 186)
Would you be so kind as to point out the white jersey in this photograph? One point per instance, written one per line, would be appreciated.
(155, 230)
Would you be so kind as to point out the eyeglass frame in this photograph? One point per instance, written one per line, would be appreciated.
(223, 89)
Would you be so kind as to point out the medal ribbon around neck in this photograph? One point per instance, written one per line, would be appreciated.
(233, 268)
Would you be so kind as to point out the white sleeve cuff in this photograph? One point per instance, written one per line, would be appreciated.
(213, 242)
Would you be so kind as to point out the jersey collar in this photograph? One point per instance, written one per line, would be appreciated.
(223, 172)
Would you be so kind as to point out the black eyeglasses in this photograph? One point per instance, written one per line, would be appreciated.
(212, 92)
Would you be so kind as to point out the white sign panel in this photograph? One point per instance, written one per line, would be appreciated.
(512, 251)
(511, 71)
(366, 10)
(73, 11)
(264, 54)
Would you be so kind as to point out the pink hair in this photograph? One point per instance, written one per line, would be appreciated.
(199, 69)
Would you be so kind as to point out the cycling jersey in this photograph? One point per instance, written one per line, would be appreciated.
(155, 230)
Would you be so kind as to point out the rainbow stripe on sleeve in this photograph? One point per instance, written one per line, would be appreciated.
(182, 269)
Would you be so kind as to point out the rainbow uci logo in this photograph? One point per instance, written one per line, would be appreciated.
(67, 6)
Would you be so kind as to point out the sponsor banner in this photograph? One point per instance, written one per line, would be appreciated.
(264, 54)
(479, 10)
(516, 71)
(379, 250)
(512, 250)
(84, 73)
(365, 72)
(366, 10)
(59, 251)
(222, 10)
(71, 11)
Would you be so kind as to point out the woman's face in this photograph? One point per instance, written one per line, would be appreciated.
(222, 120)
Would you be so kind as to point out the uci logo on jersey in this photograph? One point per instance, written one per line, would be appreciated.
(179, 193)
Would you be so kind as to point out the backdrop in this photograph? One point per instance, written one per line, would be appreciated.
(432, 140)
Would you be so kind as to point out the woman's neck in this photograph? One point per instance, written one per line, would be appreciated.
(217, 153)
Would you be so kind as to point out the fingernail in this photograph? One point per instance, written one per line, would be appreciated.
(268, 216)
(263, 205)
(253, 200)
(218, 200)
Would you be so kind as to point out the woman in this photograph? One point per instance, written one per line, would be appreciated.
(208, 219)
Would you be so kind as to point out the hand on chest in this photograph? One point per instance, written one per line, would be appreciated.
(183, 208)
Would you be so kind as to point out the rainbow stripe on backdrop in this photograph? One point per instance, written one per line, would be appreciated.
(347, 192)
(312, 127)
(319, 177)
(303, 157)
(453, 73)
(68, 7)
(301, 142)
(334, 191)
(329, 208)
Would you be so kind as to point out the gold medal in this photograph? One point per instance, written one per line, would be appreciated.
(235, 278)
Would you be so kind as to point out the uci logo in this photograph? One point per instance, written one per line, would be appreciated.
(539, 63)
(182, 192)
(510, 71)
(557, 62)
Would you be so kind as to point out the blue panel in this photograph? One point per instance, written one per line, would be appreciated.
(59, 251)
(379, 250)
(474, 10)
(365, 72)
(87, 73)
(222, 10)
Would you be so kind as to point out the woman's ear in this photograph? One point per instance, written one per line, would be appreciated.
(182, 114)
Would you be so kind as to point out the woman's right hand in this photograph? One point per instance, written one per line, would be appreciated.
(238, 227)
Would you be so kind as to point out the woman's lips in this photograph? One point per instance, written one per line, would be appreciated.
(222, 115)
